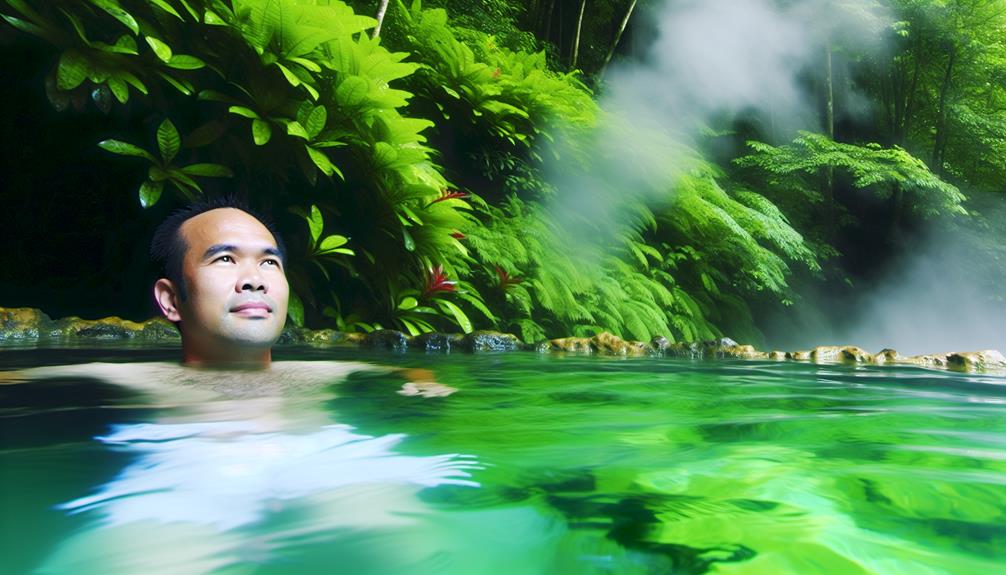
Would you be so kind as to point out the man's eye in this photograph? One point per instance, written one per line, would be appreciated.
(225, 259)
(271, 262)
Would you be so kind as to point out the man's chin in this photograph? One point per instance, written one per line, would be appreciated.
(254, 333)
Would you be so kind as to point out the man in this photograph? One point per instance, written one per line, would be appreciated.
(233, 444)
(224, 284)
(224, 287)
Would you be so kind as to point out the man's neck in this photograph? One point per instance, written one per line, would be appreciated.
(202, 357)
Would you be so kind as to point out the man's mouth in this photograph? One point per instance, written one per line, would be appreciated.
(252, 309)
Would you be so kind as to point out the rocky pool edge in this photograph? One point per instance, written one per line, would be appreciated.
(31, 324)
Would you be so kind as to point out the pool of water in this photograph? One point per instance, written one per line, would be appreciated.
(537, 464)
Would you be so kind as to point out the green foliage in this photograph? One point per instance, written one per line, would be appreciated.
(280, 84)
(870, 166)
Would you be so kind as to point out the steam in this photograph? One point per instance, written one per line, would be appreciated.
(711, 61)
(946, 295)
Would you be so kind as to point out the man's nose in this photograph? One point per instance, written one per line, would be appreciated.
(251, 280)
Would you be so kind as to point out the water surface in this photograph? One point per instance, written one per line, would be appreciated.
(538, 464)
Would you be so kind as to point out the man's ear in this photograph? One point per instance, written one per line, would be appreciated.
(167, 299)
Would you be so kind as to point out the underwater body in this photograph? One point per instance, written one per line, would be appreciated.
(536, 464)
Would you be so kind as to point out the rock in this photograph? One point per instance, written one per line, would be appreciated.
(160, 329)
(571, 345)
(798, 355)
(931, 360)
(24, 322)
(885, 356)
(434, 342)
(845, 354)
(659, 344)
(603, 343)
(777, 355)
(355, 337)
(104, 328)
(976, 360)
(739, 352)
(610, 344)
(490, 341)
(387, 339)
(692, 350)
(291, 334)
(325, 337)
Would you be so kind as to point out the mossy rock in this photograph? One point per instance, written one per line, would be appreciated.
(24, 323)
(976, 360)
(104, 328)
(159, 329)
(388, 339)
(839, 353)
(438, 342)
(490, 341)
(886, 356)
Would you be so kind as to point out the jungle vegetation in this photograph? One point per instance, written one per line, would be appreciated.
(409, 153)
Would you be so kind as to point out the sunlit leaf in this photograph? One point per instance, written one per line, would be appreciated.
(316, 223)
(239, 110)
(150, 192)
(184, 62)
(166, 7)
(168, 140)
(208, 170)
(459, 315)
(116, 11)
(161, 50)
(72, 70)
(295, 309)
(125, 149)
(261, 132)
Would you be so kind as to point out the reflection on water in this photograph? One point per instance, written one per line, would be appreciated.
(574, 465)
(224, 474)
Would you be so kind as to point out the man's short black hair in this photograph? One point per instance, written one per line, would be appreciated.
(168, 247)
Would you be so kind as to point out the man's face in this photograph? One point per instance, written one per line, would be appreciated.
(236, 286)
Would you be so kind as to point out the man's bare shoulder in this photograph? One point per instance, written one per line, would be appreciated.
(196, 384)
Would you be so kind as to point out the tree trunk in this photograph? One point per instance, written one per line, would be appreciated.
(941, 123)
(618, 37)
(547, 20)
(828, 173)
(381, 9)
(576, 41)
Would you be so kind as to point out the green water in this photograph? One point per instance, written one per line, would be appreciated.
(536, 465)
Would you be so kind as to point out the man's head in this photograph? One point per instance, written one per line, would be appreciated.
(224, 283)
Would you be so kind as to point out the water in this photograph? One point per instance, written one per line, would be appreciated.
(535, 465)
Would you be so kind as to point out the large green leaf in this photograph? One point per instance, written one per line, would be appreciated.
(321, 160)
(72, 70)
(184, 62)
(352, 91)
(150, 192)
(261, 132)
(116, 11)
(316, 223)
(316, 121)
(208, 170)
(168, 140)
(295, 309)
(161, 50)
(125, 149)
(163, 5)
(459, 315)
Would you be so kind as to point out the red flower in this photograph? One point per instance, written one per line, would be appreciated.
(457, 235)
(437, 281)
(446, 194)
(507, 280)
(496, 73)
